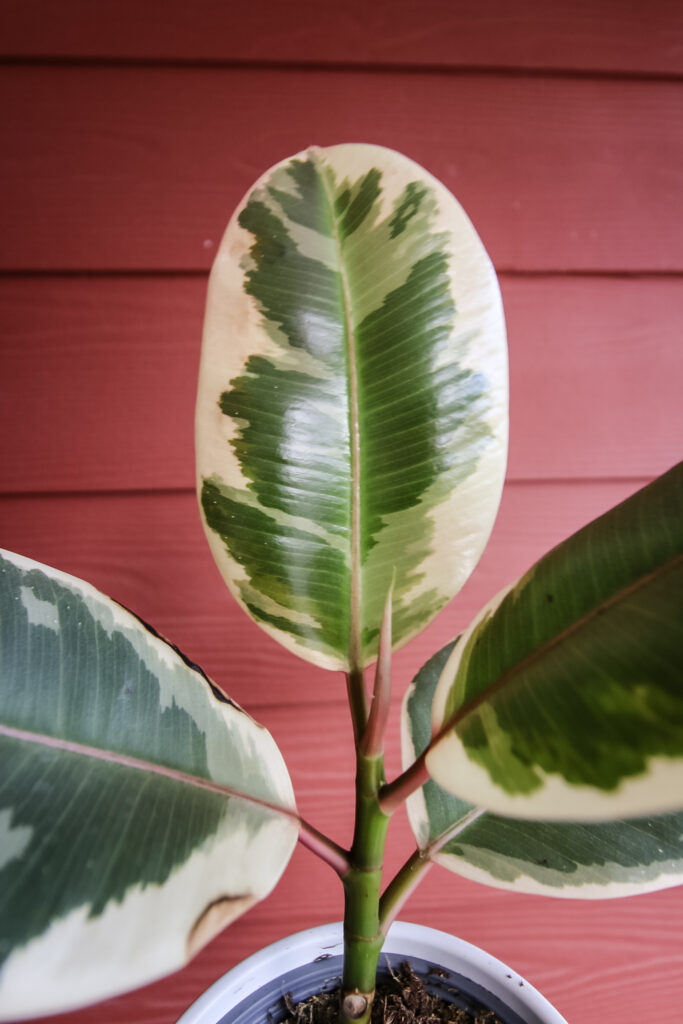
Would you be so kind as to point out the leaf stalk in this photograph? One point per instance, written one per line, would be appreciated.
(393, 794)
(372, 744)
(358, 702)
(324, 848)
(406, 880)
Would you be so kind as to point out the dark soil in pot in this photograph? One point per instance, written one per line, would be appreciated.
(402, 998)
(466, 1001)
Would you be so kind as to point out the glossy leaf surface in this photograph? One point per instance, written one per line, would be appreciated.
(352, 408)
(564, 699)
(121, 849)
(596, 860)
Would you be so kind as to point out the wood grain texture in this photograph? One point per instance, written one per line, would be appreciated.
(140, 169)
(148, 551)
(558, 126)
(619, 961)
(605, 36)
(101, 375)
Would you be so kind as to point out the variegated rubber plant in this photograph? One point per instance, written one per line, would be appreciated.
(351, 444)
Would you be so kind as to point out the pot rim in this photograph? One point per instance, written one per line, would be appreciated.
(326, 940)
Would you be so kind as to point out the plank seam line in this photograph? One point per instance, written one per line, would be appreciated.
(337, 66)
(199, 273)
(101, 272)
(141, 492)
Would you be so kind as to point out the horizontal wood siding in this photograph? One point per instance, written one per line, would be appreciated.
(130, 131)
(611, 35)
(133, 545)
(592, 352)
(140, 168)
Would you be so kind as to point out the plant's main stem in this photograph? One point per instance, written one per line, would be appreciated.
(363, 937)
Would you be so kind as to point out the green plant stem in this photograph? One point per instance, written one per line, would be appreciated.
(363, 938)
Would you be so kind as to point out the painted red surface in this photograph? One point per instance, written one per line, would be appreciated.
(139, 168)
(592, 354)
(129, 136)
(617, 35)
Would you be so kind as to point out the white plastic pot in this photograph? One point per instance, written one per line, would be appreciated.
(311, 961)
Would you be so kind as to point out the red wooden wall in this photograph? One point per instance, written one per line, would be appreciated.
(131, 129)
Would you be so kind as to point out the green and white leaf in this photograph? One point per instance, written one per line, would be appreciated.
(597, 860)
(352, 407)
(122, 850)
(564, 698)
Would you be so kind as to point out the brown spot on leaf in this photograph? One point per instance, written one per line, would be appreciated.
(214, 918)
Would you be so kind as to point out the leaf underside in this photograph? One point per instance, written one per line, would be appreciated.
(563, 859)
(564, 699)
(116, 864)
(351, 417)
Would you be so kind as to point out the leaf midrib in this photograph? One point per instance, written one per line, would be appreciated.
(128, 761)
(513, 674)
(355, 655)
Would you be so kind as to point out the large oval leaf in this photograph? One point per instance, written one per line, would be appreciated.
(352, 409)
(564, 698)
(121, 849)
(564, 859)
